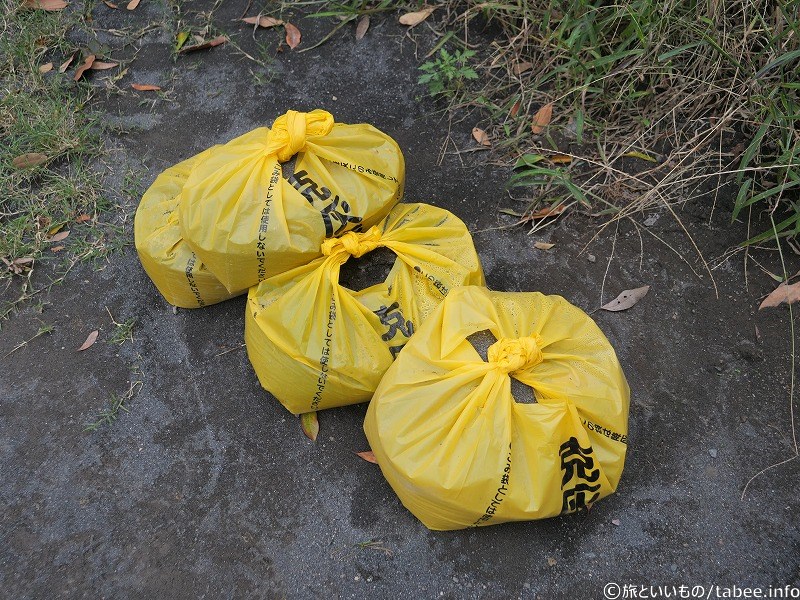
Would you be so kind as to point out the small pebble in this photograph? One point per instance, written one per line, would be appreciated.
(615, 522)
(591, 258)
(712, 452)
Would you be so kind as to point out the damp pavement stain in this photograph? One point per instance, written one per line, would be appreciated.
(205, 487)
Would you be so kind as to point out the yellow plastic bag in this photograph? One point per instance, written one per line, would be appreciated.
(458, 449)
(247, 223)
(315, 344)
(176, 271)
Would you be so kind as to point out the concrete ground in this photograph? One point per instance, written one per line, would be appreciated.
(207, 488)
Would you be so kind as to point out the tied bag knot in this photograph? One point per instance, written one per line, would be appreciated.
(352, 243)
(511, 355)
(290, 131)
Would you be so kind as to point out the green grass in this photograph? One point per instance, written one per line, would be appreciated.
(47, 114)
(709, 87)
(42, 113)
(109, 415)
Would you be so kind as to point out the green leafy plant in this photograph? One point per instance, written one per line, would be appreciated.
(447, 74)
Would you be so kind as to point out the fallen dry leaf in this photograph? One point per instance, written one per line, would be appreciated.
(615, 522)
(99, 65)
(145, 87)
(65, 65)
(57, 248)
(86, 64)
(220, 39)
(46, 4)
(26, 161)
(514, 109)
(264, 22)
(46, 68)
(60, 236)
(310, 425)
(415, 18)
(132, 4)
(18, 265)
(547, 211)
(520, 67)
(361, 28)
(783, 294)
(83, 218)
(89, 340)
(542, 118)
(543, 245)
(110, 4)
(368, 456)
(561, 159)
(292, 35)
(626, 299)
(481, 137)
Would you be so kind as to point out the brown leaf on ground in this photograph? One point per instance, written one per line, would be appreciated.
(145, 87)
(99, 65)
(57, 248)
(46, 68)
(361, 28)
(520, 67)
(18, 265)
(783, 294)
(65, 65)
(543, 245)
(89, 340)
(481, 137)
(132, 4)
(626, 299)
(83, 218)
(60, 236)
(292, 35)
(110, 4)
(547, 211)
(514, 109)
(49, 5)
(26, 161)
(221, 39)
(542, 118)
(561, 159)
(264, 22)
(87, 63)
(415, 18)
(310, 425)
(368, 456)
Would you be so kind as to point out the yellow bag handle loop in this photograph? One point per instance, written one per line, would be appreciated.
(511, 355)
(352, 243)
(290, 131)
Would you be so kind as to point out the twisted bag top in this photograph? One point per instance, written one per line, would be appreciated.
(315, 344)
(457, 448)
(177, 272)
(247, 223)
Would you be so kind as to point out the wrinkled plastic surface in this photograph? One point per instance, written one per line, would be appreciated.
(457, 448)
(247, 223)
(177, 272)
(315, 344)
